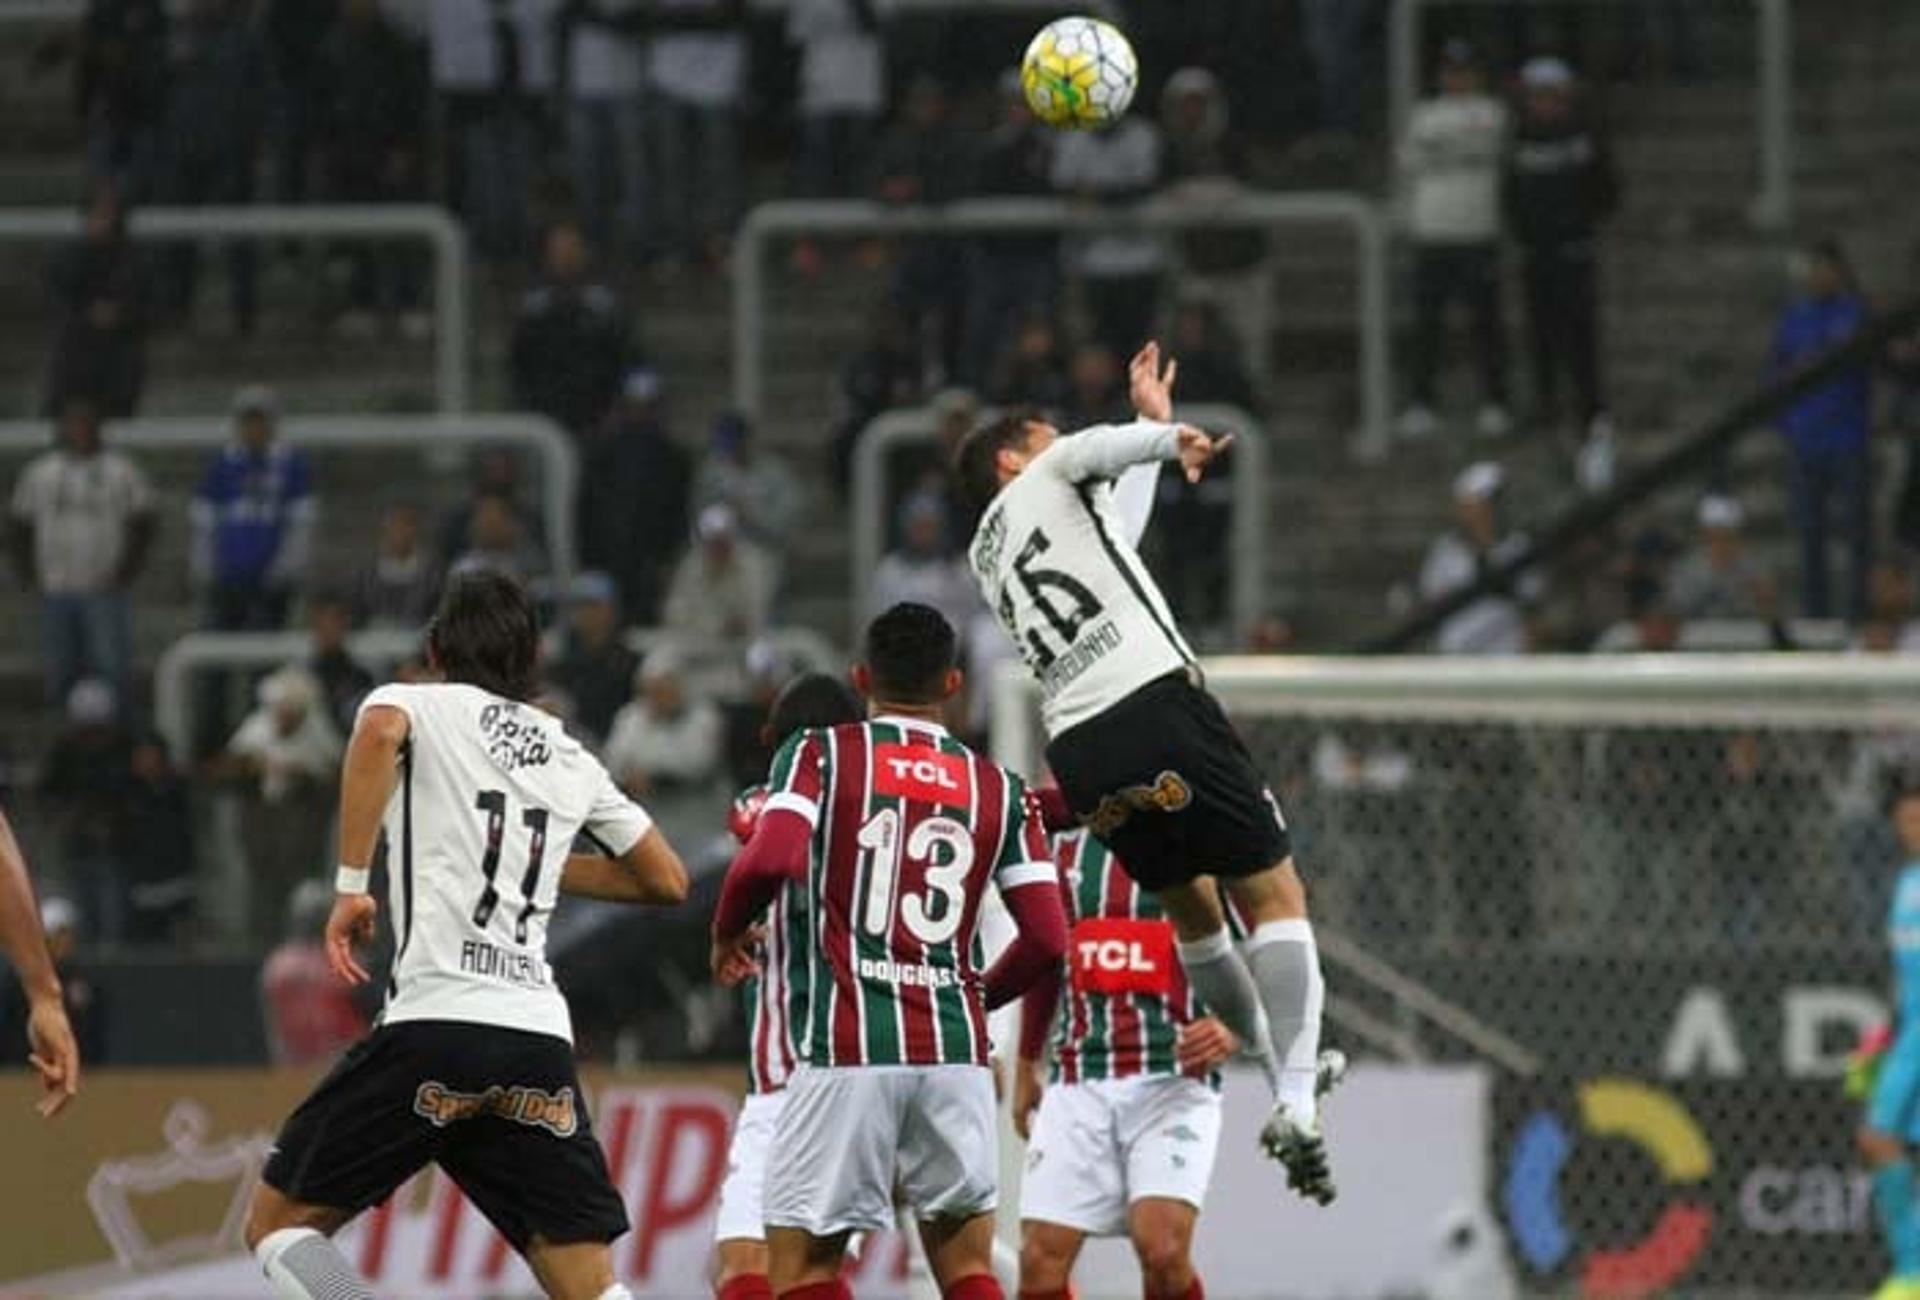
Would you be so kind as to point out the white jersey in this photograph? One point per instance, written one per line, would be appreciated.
(1054, 556)
(492, 794)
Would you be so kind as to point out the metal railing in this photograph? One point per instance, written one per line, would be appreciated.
(560, 469)
(1772, 206)
(1247, 576)
(356, 222)
(384, 648)
(1247, 210)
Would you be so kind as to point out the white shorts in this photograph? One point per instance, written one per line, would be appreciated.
(850, 1137)
(1101, 1145)
(741, 1216)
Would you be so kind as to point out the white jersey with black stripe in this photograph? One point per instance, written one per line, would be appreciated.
(1056, 562)
(492, 795)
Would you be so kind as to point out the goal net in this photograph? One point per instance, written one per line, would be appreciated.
(1647, 894)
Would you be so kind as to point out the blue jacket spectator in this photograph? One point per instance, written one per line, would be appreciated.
(253, 521)
(1828, 430)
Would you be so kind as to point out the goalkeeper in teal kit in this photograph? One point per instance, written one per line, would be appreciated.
(1892, 1125)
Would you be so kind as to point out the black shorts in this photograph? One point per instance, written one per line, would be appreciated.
(499, 1109)
(1164, 780)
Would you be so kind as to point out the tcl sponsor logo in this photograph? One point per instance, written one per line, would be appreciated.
(924, 774)
(1119, 955)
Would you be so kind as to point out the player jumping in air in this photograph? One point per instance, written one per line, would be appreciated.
(776, 1001)
(1892, 1122)
(898, 830)
(480, 797)
(1146, 757)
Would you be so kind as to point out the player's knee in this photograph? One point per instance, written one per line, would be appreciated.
(1164, 1250)
(1275, 895)
(1044, 1263)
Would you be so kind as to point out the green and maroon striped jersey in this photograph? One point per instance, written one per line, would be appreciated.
(1126, 992)
(777, 996)
(909, 829)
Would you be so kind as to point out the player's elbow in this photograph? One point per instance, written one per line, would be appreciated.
(660, 874)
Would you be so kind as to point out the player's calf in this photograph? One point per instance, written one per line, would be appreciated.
(742, 1271)
(1047, 1255)
(292, 1243)
(1162, 1235)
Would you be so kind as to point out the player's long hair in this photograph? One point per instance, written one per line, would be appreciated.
(808, 701)
(486, 634)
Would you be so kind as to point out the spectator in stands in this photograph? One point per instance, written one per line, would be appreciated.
(1097, 387)
(371, 107)
(1560, 186)
(80, 524)
(1496, 622)
(120, 85)
(744, 716)
(497, 539)
(723, 588)
(217, 84)
(295, 33)
(606, 125)
(665, 737)
(1450, 164)
(154, 834)
(1031, 371)
(285, 757)
(594, 667)
(1119, 270)
(1210, 366)
(497, 471)
(1890, 602)
(1720, 577)
(573, 339)
(843, 91)
(883, 375)
(1656, 628)
(1829, 431)
(400, 585)
(1336, 36)
(86, 1008)
(100, 295)
(758, 486)
(311, 1014)
(253, 520)
(343, 681)
(697, 81)
(489, 61)
(1753, 827)
(1010, 277)
(921, 160)
(1206, 167)
(88, 768)
(924, 569)
(633, 498)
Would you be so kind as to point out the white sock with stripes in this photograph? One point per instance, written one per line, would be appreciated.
(303, 1265)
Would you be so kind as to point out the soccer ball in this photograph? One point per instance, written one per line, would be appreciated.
(1079, 73)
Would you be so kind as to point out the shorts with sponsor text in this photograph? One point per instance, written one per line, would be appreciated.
(849, 1136)
(1163, 779)
(499, 1109)
(1101, 1145)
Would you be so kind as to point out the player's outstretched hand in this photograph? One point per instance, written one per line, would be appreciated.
(737, 959)
(53, 1055)
(1199, 449)
(1027, 1087)
(350, 924)
(1150, 387)
(1205, 1044)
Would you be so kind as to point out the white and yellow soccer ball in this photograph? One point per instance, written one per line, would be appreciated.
(1079, 73)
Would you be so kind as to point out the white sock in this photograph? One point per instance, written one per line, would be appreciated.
(303, 1265)
(1286, 967)
(1221, 979)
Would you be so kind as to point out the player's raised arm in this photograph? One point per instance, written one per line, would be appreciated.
(52, 1051)
(369, 774)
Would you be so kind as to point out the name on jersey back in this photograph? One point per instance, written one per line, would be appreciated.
(521, 969)
(1083, 654)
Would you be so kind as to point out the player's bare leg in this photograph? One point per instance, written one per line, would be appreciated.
(575, 1270)
(1048, 1252)
(292, 1241)
(1162, 1233)
(805, 1267)
(960, 1253)
(740, 1270)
